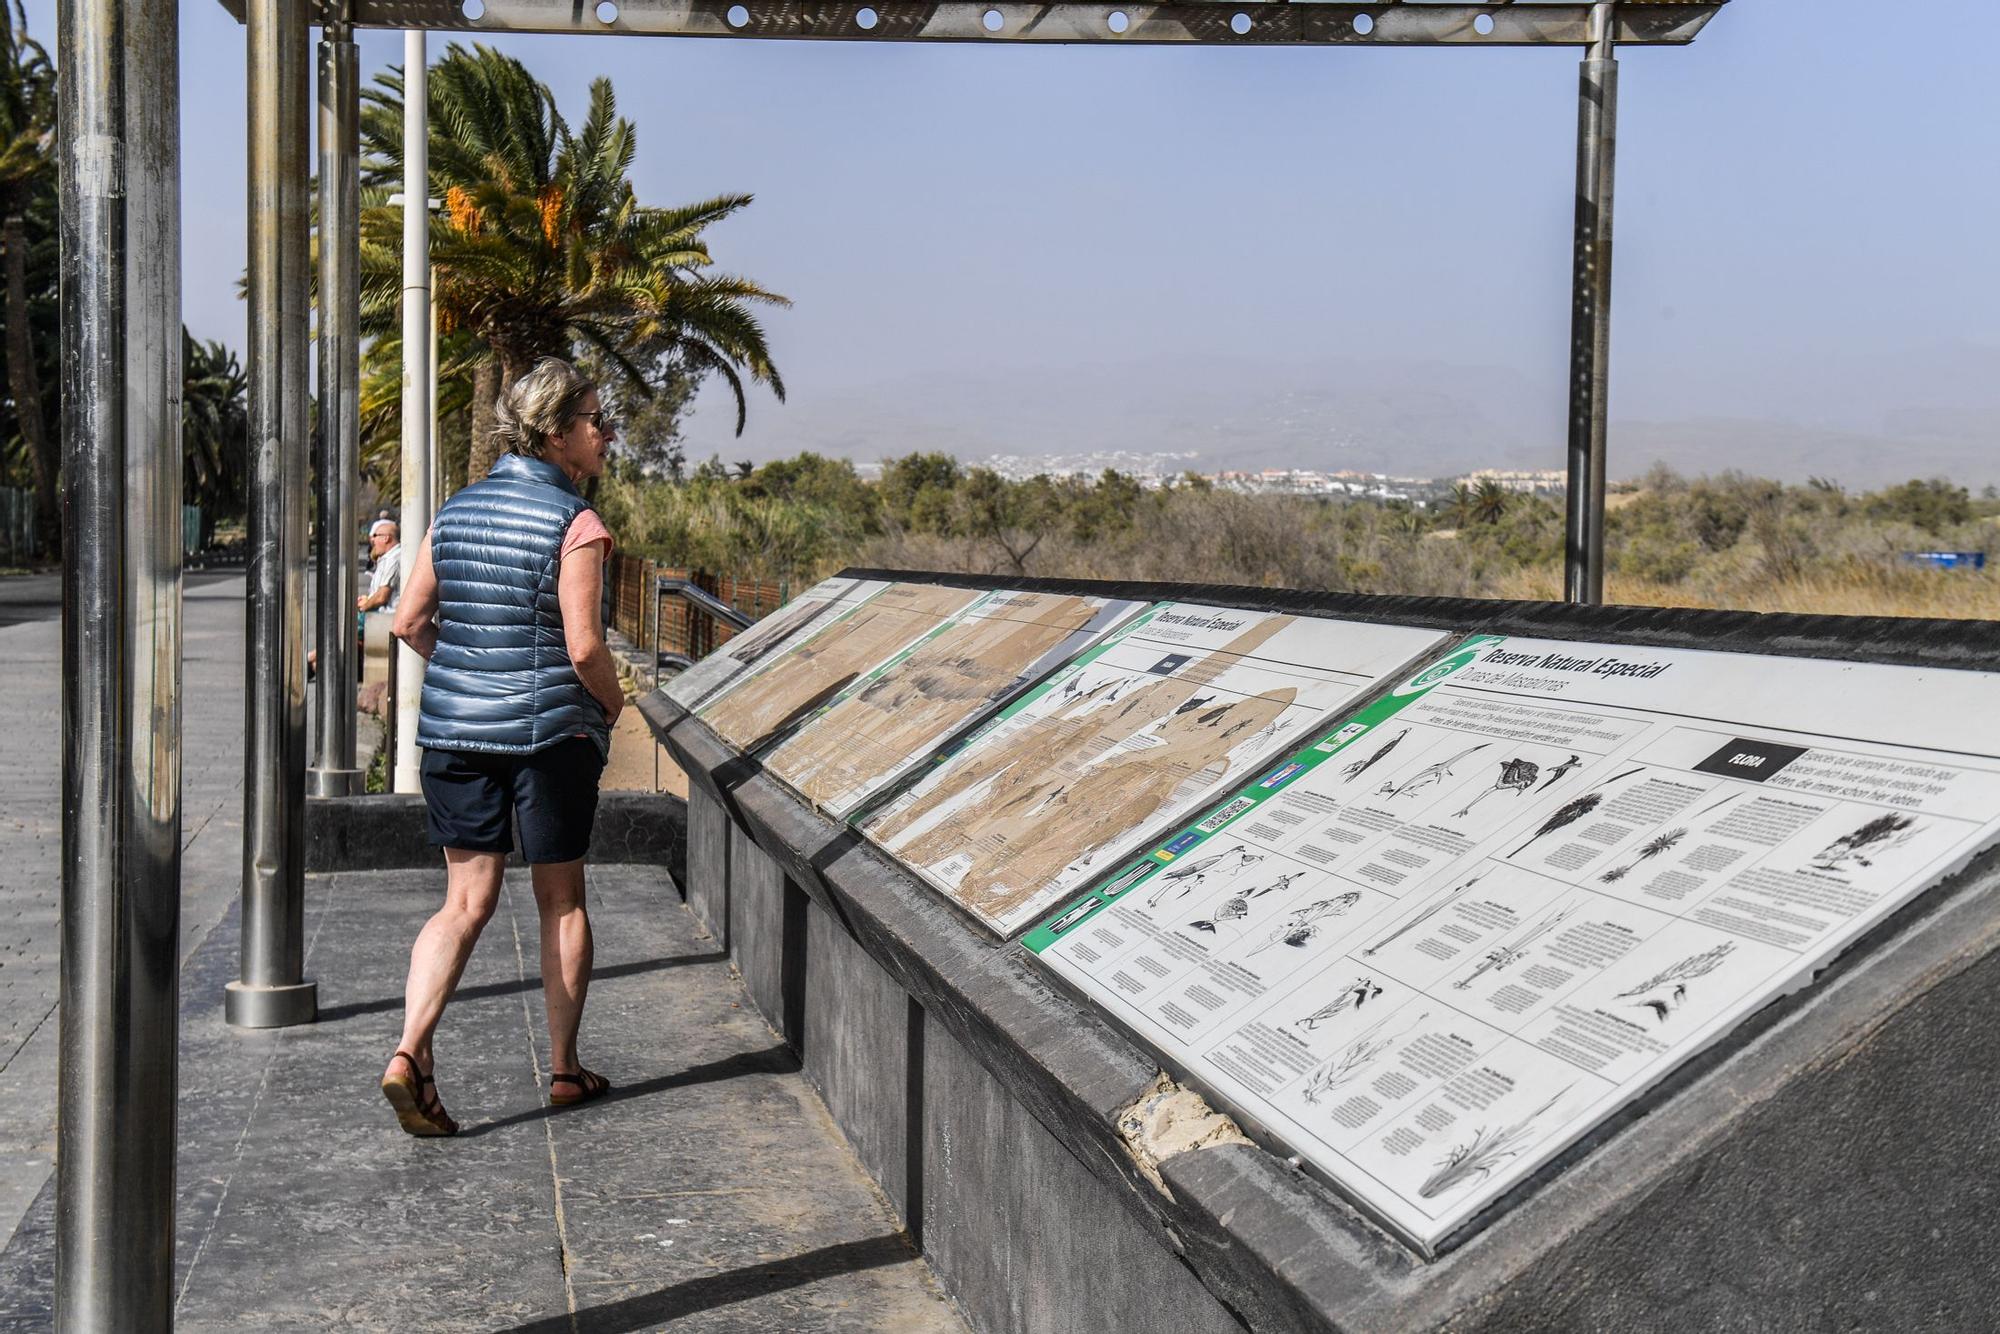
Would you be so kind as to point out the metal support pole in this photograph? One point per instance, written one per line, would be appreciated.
(334, 772)
(416, 508)
(272, 991)
(119, 215)
(1590, 312)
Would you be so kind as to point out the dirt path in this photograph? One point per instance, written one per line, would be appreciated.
(632, 750)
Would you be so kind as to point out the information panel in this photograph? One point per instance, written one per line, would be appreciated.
(1437, 946)
(794, 682)
(1136, 732)
(801, 616)
(900, 713)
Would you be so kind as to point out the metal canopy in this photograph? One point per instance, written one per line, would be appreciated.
(1223, 23)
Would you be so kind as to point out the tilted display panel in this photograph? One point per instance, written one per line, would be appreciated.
(1439, 945)
(793, 683)
(899, 714)
(743, 652)
(1136, 732)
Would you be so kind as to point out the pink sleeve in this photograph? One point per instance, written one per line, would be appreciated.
(584, 529)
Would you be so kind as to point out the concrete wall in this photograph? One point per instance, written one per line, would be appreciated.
(1022, 1234)
(706, 882)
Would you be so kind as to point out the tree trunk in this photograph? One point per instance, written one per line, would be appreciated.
(485, 449)
(25, 384)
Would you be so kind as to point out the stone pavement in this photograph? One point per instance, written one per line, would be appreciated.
(31, 834)
(709, 1191)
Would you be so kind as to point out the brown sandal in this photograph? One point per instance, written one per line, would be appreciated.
(589, 1085)
(418, 1110)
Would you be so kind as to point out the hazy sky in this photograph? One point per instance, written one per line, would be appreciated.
(1807, 206)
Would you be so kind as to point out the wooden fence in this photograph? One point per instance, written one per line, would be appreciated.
(635, 605)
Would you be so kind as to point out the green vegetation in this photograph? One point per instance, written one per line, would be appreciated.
(30, 429)
(1731, 540)
(542, 249)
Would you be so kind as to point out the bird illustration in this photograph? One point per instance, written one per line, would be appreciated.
(1428, 775)
(1360, 767)
(1232, 909)
(1302, 924)
(1352, 997)
(1561, 770)
(1185, 878)
(1194, 703)
(1237, 906)
(1516, 776)
(1662, 1006)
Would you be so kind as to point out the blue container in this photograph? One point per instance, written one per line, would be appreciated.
(1948, 560)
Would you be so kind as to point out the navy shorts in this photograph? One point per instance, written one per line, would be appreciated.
(473, 799)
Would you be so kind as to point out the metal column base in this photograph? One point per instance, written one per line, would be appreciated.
(245, 1006)
(333, 782)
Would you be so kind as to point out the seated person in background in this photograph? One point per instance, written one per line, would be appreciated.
(385, 577)
(385, 586)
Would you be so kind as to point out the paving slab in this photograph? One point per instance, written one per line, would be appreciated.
(709, 1191)
(31, 835)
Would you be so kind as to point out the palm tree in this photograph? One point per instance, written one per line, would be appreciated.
(27, 130)
(544, 248)
(1489, 502)
(215, 431)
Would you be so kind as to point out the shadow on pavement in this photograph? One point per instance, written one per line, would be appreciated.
(706, 1294)
(777, 1059)
(353, 1009)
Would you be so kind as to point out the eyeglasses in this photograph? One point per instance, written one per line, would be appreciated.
(602, 421)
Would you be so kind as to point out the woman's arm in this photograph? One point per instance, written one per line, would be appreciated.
(579, 586)
(416, 614)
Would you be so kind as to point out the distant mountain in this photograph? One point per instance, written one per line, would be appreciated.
(1404, 418)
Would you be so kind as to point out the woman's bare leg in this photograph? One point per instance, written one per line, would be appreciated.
(566, 956)
(472, 890)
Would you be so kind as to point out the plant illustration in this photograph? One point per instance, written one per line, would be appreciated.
(1863, 846)
(1516, 776)
(1352, 997)
(1501, 957)
(1648, 850)
(1666, 991)
(1355, 1059)
(1302, 924)
(1360, 767)
(1424, 916)
(1428, 776)
(1695, 965)
(1476, 1158)
(1569, 814)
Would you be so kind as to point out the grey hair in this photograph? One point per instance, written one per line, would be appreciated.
(540, 404)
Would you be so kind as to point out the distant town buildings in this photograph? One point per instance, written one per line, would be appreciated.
(1538, 482)
(1153, 471)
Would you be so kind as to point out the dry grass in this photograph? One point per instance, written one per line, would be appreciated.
(1862, 590)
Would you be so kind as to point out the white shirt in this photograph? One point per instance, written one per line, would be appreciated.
(388, 573)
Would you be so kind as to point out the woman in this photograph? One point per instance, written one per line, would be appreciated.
(518, 703)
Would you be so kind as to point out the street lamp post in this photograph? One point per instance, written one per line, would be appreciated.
(417, 393)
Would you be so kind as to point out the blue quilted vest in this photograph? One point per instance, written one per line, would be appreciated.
(500, 679)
